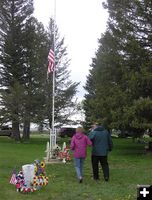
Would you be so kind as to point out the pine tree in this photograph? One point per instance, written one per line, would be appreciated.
(122, 73)
(35, 38)
(13, 15)
(65, 89)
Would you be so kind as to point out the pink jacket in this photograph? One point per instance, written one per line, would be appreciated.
(79, 143)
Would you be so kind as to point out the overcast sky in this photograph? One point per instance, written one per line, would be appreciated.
(81, 23)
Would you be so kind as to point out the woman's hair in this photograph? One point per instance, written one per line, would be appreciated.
(79, 129)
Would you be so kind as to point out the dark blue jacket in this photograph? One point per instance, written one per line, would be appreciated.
(101, 141)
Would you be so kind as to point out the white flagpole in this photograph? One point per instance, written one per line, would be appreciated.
(53, 95)
(53, 134)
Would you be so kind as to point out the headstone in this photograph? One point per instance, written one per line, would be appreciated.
(28, 172)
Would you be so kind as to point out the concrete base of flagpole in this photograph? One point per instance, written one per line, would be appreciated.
(52, 161)
(49, 158)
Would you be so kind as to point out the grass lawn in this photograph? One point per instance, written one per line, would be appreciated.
(129, 166)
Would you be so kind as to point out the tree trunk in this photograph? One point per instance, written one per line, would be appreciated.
(26, 130)
(16, 131)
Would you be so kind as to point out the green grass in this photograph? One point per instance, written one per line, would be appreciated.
(129, 166)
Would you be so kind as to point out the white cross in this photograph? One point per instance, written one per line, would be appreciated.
(144, 192)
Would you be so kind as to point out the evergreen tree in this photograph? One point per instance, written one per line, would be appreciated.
(35, 39)
(13, 15)
(65, 90)
(121, 72)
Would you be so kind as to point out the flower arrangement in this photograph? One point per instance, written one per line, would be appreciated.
(56, 151)
(65, 155)
(31, 178)
(62, 154)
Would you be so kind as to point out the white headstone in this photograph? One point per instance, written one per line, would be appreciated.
(28, 172)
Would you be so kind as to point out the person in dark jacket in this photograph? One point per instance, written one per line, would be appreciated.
(101, 145)
(79, 143)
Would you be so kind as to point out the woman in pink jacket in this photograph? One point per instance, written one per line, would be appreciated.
(79, 143)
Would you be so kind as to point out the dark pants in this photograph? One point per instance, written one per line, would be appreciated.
(95, 166)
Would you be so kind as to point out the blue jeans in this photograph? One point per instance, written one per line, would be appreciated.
(78, 163)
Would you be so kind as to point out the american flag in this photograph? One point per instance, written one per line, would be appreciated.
(51, 59)
(13, 178)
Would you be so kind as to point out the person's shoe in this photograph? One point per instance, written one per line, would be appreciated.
(106, 179)
(80, 180)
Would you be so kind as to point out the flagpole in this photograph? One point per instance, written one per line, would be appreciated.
(53, 92)
(53, 136)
